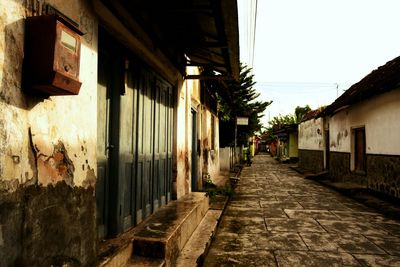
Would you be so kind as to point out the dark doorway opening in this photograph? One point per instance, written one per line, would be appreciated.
(194, 157)
(359, 150)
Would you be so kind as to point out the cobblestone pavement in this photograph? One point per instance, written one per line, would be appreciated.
(278, 218)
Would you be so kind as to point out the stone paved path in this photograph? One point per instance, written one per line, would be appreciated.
(278, 218)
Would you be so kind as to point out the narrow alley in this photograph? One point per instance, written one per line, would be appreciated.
(278, 218)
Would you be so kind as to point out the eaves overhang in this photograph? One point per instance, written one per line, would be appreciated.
(201, 33)
(379, 81)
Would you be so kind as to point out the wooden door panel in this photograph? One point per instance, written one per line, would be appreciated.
(104, 138)
(156, 184)
(138, 192)
(359, 162)
(145, 140)
(162, 181)
(134, 145)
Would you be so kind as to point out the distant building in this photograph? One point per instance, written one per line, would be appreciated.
(287, 142)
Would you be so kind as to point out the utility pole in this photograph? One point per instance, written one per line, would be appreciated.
(337, 90)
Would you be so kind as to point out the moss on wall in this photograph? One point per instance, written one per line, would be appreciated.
(48, 226)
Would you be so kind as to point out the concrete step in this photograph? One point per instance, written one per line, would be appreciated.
(195, 249)
(138, 261)
(166, 232)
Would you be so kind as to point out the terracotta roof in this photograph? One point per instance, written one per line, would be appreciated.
(311, 114)
(285, 128)
(379, 81)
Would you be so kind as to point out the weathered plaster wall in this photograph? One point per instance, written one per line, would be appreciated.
(210, 155)
(189, 95)
(379, 116)
(41, 129)
(196, 105)
(188, 90)
(16, 166)
(182, 184)
(311, 134)
(213, 161)
(47, 153)
(225, 155)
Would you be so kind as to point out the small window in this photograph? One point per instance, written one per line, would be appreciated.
(68, 41)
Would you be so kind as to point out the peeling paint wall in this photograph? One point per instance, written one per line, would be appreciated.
(210, 156)
(47, 143)
(339, 132)
(312, 144)
(182, 184)
(14, 143)
(379, 116)
(311, 134)
(208, 164)
(32, 126)
(197, 107)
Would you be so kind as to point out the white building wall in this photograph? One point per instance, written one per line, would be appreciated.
(379, 115)
(311, 134)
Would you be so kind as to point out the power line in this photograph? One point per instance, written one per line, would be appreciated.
(248, 20)
(303, 84)
(254, 34)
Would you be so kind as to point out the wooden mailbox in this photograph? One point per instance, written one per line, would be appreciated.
(52, 54)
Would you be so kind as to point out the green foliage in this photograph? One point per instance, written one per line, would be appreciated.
(300, 112)
(288, 119)
(241, 103)
(212, 191)
(282, 120)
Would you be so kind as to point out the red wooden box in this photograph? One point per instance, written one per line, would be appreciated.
(52, 54)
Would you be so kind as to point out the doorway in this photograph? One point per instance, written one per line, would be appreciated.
(194, 157)
(327, 150)
(134, 139)
(359, 150)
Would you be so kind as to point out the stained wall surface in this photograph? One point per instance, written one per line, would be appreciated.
(47, 152)
(379, 118)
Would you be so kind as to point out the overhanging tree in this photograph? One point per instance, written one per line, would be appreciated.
(241, 102)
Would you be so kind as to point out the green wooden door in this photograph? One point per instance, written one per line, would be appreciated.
(134, 148)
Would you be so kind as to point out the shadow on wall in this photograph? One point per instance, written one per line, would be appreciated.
(39, 226)
(12, 90)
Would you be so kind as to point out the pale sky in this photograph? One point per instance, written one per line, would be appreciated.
(310, 51)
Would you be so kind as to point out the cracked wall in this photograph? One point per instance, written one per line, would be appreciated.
(47, 152)
(379, 116)
(210, 155)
